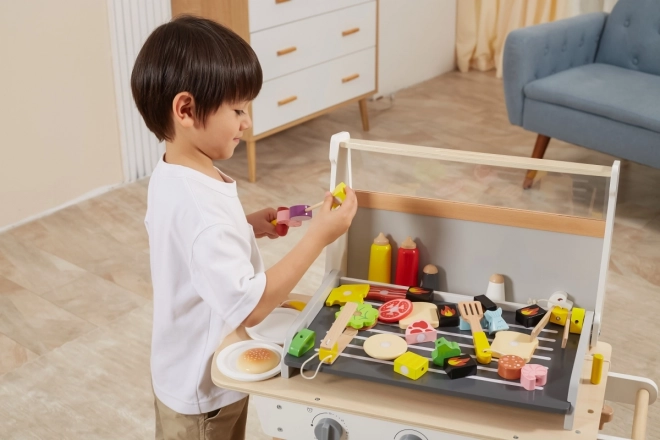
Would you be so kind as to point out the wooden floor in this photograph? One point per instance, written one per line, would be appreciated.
(75, 289)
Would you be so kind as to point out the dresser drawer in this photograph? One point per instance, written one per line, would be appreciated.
(308, 91)
(265, 14)
(295, 46)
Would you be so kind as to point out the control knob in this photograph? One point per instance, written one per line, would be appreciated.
(328, 429)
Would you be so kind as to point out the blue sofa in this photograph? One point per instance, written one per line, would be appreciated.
(591, 80)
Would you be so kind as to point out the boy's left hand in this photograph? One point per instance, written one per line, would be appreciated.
(261, 223)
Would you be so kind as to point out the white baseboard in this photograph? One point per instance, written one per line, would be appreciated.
(91, 194)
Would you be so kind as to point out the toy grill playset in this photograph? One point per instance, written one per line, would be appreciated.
(441, 298)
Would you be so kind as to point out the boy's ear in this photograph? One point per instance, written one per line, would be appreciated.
(183, 107)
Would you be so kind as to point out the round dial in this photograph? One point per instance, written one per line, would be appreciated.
(411, 437)
(328, 429)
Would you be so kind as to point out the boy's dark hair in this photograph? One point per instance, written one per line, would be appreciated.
(195, 55)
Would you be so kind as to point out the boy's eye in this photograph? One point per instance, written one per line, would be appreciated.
(239, 112)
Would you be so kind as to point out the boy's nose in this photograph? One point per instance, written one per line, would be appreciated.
(247, 123)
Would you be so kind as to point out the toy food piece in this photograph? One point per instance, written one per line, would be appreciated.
(416, 294)
(449, 316)
(380, 260)
(302, 342)
(464, 325)
(530, 316)
(444, 349)
(282, 221)
(257, 360)
(495, 322)
(384, 294)
(421, 311)
(577, 319)
(395, 310)
(532, 376)
(495, 289)
(486, 303)
(460, 366)
(560, 299)
(385, 346)
(407, 265)
(340, 195)
(518, 344)
(299, 213)
(430, 277)
(366, 316)
(420, 331)
(558, 315)
(510, 366)
(347, 293)
(297, 305)
(411, 365)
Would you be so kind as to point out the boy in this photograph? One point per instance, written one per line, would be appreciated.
(192, 82)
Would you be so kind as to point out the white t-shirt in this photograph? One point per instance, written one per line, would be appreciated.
(207, 275)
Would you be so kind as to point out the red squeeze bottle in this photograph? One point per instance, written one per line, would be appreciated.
(407, 265)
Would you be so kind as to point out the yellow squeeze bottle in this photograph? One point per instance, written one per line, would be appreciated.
(380, 260)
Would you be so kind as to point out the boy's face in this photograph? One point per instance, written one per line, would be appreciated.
(223, 130)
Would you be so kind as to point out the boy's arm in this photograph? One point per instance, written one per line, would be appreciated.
(325, 228)
(223, 275)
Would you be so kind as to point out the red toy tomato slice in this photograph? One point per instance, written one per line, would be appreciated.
(395, 310)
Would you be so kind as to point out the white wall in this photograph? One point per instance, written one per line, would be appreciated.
(417, 41)
(60, 136)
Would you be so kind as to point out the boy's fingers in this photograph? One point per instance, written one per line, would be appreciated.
(327, 202)
(271, 214)
(350, 203)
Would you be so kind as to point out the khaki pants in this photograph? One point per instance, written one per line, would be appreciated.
(226, 423)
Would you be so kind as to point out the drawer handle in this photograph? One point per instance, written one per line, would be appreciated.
(350, 78)
(281, 1)
(286, 51)
(287, 100)
(350, 31)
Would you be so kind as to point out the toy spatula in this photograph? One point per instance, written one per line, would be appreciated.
(472, 312)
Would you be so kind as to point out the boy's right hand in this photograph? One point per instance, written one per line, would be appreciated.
(328, 225)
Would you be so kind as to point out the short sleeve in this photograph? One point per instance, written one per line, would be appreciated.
(223, 275)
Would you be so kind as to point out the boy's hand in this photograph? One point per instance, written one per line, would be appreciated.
(261, 223)
(328, 225)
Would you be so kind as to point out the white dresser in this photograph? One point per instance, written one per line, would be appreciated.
(315, 56)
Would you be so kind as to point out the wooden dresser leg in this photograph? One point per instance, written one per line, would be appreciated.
(252, 161)
(541, 145)
(364, 114)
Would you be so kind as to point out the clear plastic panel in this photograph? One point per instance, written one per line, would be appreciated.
(552, 192)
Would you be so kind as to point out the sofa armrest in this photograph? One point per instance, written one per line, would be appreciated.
(538, 51)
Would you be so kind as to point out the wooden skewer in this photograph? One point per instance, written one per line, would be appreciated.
(566, 327)
(337, 201)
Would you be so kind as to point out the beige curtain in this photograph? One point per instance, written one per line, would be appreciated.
(482, 27)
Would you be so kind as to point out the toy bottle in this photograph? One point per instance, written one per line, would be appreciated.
(407, 266)
(430, 277)
(380, 260)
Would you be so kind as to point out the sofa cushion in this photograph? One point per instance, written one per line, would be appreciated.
(631, 37)
(612, 92)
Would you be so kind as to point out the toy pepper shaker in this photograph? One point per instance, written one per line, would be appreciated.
(407, 266)
(380, 260)
(430, 277)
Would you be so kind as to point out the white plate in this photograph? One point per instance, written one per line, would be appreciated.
(228, 357)
(274, 327)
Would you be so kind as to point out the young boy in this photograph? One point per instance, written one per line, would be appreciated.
(192, 82)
